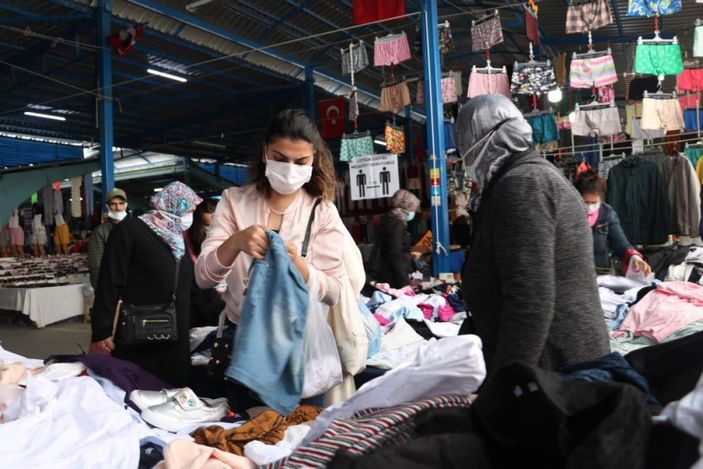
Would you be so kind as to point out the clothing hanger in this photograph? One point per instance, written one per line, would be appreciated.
(660, 95)
(594, 105)
(532, 62)
(495, 14)
(365, 133)
(591, 54)
(657, 39)
(488, 69)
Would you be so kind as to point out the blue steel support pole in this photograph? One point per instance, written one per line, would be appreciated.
(310, 91)
(435, 137)
(107, 167)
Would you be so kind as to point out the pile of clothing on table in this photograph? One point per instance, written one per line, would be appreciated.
(398, 321)
(641, 314)
(438, 409)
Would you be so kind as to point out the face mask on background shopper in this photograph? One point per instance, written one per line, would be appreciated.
(593, 208)
(117, 216)
(187, 221)
(286, 178)
(410, 216)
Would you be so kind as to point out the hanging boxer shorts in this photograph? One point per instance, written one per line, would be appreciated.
(662, 114)
(395, 97)
(391, 50)
(588, 122)
(544, 129)
(356, 61)
(689, 101)
(653, 7)
(692, 119)
(448, 90)
(487, 83)
(598, 71)
(486, 34)
(588, 17)
(638, 133)
(395, 139)
(531, 27)
(533, 79)
(354, 147)
(690, 80)
(658, 59)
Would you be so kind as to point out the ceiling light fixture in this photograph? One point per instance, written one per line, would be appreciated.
(211, 145)
(555, 96)
(191, 7)
(166, 75)
(44, 116)
(380, 142)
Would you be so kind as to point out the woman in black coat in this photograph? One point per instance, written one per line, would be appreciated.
(393, 241)
(139, 267)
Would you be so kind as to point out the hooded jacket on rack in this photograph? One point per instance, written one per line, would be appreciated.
(529, 280)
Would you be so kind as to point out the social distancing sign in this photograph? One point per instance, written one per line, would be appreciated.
(374, 176)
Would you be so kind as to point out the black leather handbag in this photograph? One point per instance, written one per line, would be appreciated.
(142, 325)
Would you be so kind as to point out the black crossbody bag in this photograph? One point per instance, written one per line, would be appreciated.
(143, 325)
(221, 354)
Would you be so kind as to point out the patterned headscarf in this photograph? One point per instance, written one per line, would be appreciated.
(174, 201)
(404, 202)
(489, 130)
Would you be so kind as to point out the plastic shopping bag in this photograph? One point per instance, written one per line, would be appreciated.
(323, 369)
(373, 329)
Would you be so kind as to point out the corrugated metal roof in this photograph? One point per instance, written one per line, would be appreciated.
(232, 89)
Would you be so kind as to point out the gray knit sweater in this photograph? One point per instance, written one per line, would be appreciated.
(529, 281)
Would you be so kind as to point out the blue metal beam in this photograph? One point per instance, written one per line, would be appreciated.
(107, 168)
(73, 6)
(435, 137)
(194, 22)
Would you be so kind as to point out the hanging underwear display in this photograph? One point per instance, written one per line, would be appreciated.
(355, 146)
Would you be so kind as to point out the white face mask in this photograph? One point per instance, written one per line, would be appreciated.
(410, 216)
(187, 221)
(286, 178)
(593, 208)
(117, 216)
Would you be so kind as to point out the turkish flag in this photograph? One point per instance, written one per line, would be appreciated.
(366, 11)
(332, 115)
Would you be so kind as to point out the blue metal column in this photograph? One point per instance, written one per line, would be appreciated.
(107, 168)
(435, 137)
(310, 91)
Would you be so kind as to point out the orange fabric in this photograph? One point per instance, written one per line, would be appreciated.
(269, 427)
(425, 243)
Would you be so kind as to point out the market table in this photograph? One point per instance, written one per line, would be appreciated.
(45, 305)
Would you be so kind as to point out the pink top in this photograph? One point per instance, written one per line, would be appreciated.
(672, 306)
(242, 207)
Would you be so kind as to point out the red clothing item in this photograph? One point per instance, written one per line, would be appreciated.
(367, 11)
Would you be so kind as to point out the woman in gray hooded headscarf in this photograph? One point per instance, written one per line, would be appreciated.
(529, 278)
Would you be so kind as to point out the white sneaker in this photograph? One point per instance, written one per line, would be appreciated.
(146, 399)
(183, 409)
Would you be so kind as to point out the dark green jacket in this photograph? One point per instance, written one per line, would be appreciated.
(636, 191)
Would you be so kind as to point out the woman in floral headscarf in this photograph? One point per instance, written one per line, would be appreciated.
(139, 266)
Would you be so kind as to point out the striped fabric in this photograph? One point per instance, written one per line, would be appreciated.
(367, 431)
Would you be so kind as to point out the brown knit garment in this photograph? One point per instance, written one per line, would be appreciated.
(269, 427)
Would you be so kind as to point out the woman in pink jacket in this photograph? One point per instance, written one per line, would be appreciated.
(294, 169)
